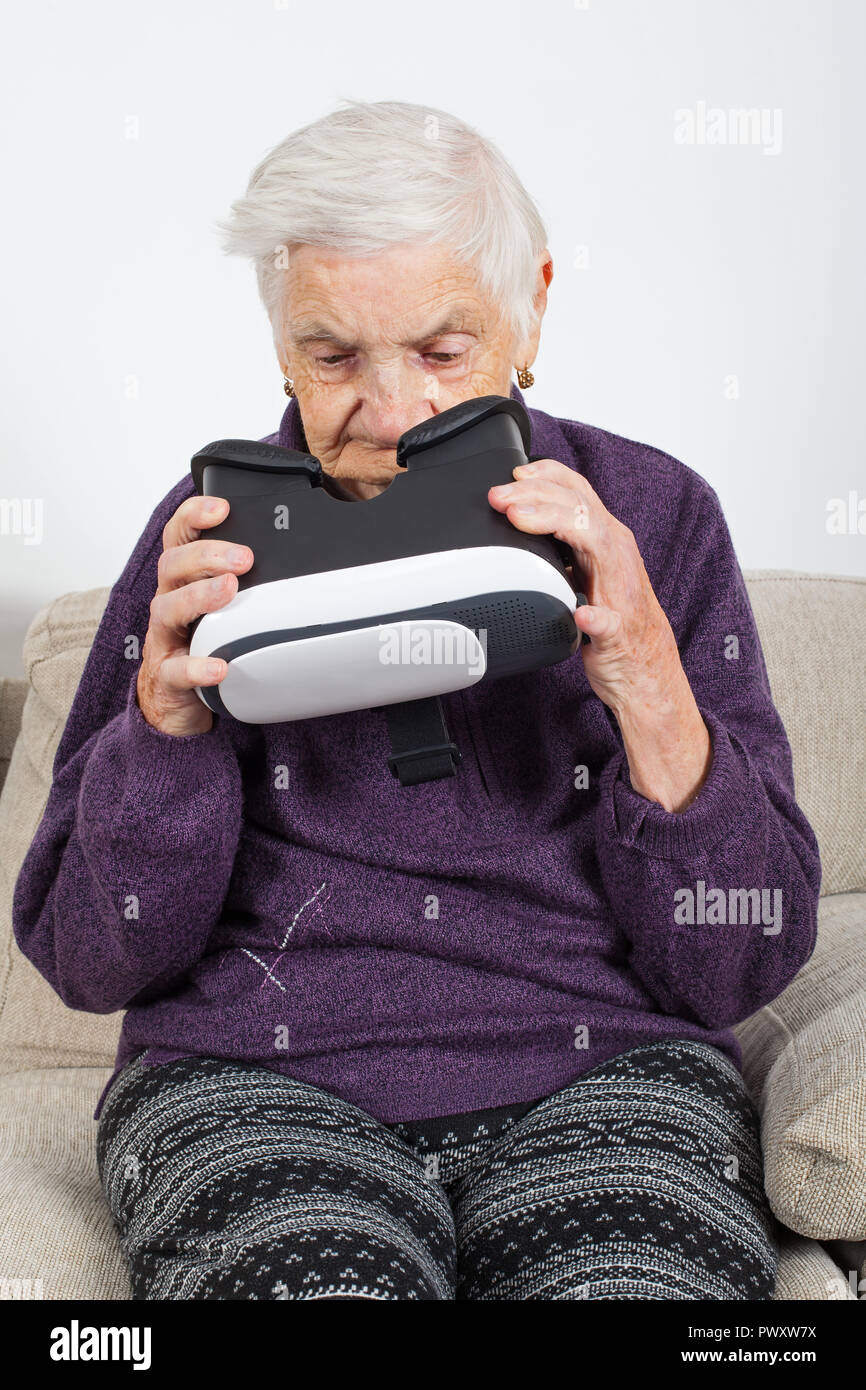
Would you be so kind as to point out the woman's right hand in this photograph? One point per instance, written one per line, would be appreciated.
(195, 576)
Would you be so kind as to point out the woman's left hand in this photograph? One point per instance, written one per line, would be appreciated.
(632, 662)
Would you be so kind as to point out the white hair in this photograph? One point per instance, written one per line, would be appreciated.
(380, 173)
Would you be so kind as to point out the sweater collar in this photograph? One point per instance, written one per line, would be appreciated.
(546, 439)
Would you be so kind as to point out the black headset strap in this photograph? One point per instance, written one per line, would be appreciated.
(421, 750)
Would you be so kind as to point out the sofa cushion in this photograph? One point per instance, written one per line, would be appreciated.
(806, 1271)
(811, 628)
(57, 1237)
(804, 1061)
(13, 692)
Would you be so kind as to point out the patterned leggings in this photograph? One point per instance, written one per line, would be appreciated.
(641, 1180)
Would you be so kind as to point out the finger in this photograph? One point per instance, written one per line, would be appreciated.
(568, 478)
(179, 674)
(603, 625)
(531, 489)
(182, 564)
(552, 470)
(171, 613)
(582, 515)
(561, 473)
(193, 515)
(549, 510)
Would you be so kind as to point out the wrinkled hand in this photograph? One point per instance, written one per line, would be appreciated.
(632, 661)
(194, 577)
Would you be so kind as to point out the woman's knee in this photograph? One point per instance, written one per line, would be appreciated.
(231, 1182)
(641, 1180)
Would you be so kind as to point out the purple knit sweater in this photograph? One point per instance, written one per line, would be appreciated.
(272, 894)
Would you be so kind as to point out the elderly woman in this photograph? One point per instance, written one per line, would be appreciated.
(469, 1039)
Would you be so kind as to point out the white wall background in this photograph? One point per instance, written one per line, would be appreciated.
(702, 263)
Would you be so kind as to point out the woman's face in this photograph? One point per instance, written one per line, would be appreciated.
(377, 345)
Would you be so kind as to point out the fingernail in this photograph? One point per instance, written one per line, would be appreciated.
(523, 510)
(215, 505)
(524, 468)
(217, 584)
(237, 554)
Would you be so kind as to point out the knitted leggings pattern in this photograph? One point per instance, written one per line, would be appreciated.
(641, 1180)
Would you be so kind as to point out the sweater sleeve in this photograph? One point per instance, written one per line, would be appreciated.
(719, 902)
(130, 865)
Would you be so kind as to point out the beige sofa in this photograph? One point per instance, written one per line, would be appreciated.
(804, 1058)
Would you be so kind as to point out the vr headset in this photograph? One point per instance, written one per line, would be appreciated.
(386, 603)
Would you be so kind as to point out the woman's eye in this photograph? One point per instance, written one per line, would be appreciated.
(336, 359)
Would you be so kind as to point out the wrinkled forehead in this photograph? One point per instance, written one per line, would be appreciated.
(406, 294)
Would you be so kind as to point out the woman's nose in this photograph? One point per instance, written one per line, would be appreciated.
(394, 401)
